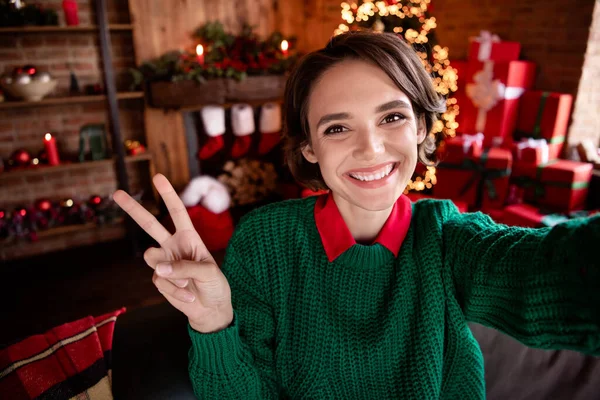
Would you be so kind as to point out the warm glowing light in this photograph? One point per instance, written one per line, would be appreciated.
(199, 50)
(47, 137)
(284, 45)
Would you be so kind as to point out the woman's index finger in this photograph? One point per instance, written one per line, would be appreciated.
(175, 206)
(141, 216)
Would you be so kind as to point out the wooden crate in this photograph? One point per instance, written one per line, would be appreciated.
(262, 87)
(186, 93)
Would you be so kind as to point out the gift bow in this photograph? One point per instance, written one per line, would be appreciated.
(486, 91)
(486, 40)
(530, 143)
(469, 140)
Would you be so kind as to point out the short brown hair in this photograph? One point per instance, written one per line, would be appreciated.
(385, 50)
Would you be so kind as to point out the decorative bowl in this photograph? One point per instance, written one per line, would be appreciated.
(35, 90)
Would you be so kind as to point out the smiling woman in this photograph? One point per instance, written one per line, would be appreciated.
(359, 293)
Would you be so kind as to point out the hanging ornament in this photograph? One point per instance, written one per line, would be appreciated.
(213, 121)
(20, 158)
(242, 123)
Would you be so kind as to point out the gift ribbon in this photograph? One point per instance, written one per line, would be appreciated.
(486, 41)
(540, 187)
(483, 176)
(530, 143)
(469, 140)
(537, 127)
(487, 92)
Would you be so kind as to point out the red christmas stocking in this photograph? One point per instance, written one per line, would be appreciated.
(269, 126)
(267, 142)
(213, 119)
(211, 147)
(241, 145)
(242, 124)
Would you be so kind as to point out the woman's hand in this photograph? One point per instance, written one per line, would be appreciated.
(184, 271)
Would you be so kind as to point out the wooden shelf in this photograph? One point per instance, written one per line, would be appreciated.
(62, 29)
(70, 166)
(67, 237)
(53, 101)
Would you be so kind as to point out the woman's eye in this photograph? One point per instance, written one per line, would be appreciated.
(332, 130)
(393, 118)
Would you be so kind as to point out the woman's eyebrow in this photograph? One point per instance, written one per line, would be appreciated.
(332, 117)
(393, 104)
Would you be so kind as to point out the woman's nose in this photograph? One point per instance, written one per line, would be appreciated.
(369, 146)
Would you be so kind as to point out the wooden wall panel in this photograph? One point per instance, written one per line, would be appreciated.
(161, 26)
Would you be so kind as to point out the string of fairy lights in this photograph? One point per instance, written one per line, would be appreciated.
(357, 15)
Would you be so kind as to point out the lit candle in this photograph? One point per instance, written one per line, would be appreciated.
(200, 54)
(284, 47)
(51, 150)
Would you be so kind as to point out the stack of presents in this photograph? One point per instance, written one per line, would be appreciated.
(506, 157)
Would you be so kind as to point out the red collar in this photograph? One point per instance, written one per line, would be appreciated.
(337, 238)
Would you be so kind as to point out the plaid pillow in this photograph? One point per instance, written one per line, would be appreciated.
(72, 360)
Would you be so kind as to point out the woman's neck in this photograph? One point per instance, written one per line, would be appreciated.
(364, 225)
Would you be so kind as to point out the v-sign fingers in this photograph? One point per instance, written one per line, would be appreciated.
(141, 216)
(177, 210)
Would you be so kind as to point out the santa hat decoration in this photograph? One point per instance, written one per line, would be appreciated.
(242, 124)
(269, 127)
(213, 119)
(207, 202)
(208, 192)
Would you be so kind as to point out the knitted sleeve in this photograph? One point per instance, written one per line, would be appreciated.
(237, 362)
(540, 286)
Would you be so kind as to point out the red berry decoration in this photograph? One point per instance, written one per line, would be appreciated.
(43, 205)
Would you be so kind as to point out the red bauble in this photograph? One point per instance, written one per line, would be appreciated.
(43, 205)
(95, 200)
(2, 214)
(20, 157)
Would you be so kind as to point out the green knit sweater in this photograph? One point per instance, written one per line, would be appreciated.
(371, 326)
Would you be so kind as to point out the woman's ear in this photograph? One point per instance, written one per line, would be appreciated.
(309, 154)
(421, 129)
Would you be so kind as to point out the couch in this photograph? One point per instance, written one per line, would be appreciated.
(150, 350)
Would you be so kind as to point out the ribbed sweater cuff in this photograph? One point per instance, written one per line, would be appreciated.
(218, 352)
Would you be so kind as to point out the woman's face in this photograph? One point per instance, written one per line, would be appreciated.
(364, 135)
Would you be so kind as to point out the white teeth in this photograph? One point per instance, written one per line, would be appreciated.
(382, 173)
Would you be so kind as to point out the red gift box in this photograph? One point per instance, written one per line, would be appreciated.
(531, 151)
(544, 115)
(560, 185)
(414, 197)
(493, 101)
(529, 216)
(489, 47)
(482, 182)
(456, 148)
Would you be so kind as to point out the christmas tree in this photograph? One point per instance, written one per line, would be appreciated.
(412, 20)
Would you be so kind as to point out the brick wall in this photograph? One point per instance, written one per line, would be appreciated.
(586, 116)
(25, 127)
